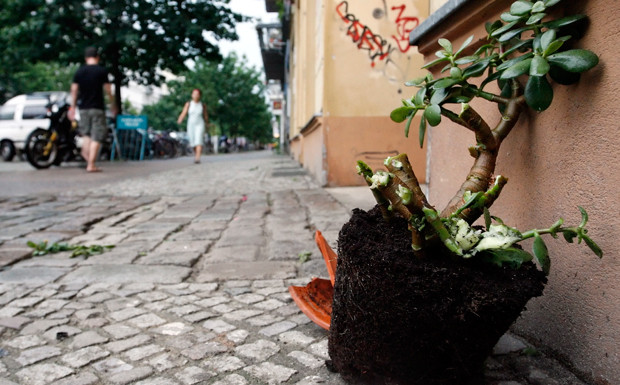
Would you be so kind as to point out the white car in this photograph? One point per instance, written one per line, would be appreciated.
(20, 116)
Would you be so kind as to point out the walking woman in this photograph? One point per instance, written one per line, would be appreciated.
(197, 118)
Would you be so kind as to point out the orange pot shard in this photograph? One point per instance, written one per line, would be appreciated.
(315, 299)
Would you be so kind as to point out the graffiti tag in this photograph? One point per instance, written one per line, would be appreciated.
(404, 26)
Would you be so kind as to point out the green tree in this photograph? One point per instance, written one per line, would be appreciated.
(233, 92)
(137, 38)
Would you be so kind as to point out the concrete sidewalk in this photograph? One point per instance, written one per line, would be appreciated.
(195, 290)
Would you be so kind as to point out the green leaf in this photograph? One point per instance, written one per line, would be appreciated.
(519, 45)
(555, 24)
(483, 48)
(551, 3)
(432, 113)
(539, 66)
(584, 217)
(569, 235)
(535, 18)
(538, 93)
(439, 95)
(419, 97)
(408, 125)
(466, 60)
(487, 218)
(547, 38)
(422, 131)
(505, 28)
(31, 244)
(400, 114)
(511, 257)
(563, 77)
(509, 18)
(593, 246)
(447, 67)
(512, 34)
(553, 46)
(517, 69)
(542, 254)
(416, 82)
(442, 54)
(446, 82)
(490, 27)
(539, 6)
(446, 45)
(466, 43)
(511, 62)
(574, 60)
(476, 69)
(435, 62)
(521, 8)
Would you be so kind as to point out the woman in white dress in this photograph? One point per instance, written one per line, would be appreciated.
(197, 118)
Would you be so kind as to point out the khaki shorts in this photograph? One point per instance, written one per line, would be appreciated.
(92, 124)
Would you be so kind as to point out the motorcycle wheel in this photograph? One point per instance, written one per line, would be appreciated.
(35, 147)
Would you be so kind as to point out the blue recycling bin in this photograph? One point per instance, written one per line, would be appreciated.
(131, 137)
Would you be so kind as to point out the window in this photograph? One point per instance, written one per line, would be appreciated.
(7, 112)
(34, 112)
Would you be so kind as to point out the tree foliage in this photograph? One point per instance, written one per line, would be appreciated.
(233, 92)
(137, 38)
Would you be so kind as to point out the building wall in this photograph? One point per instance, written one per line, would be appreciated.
(351, 60)
(556, 160)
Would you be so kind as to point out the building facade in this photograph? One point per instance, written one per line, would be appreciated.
(347, 62)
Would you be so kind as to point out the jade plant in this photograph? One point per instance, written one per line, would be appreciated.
(521, 53)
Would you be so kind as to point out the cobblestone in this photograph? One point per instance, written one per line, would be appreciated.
(195, 291)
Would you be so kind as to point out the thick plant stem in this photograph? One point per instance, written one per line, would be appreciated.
(365, 171)
(400, 166)
(481, 174)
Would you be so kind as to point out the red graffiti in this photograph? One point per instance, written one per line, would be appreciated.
(377, 47)
(404, 26)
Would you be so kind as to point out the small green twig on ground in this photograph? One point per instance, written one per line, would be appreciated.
(43, 248)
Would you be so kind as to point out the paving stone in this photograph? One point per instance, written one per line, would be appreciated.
(259, 350)
(199, 316)
(112, 365)
(270, 304)
(25, 302)
(84, 378)
(157, 306)
(295, 338)
(173, 329)
(33, 275)
(213, 301)
(62, 331)
(146, 321)
(264, 320)
(226, 308)
(166, 361)
(319, 349)
(201, 350)
(508, 344)
(142, 352)
(25, 342)
(43, 374)
(38, 327)
(84, 356)
(193, 375)
(184, 310)
(307, 359)
(233, 379)
(116, 304)
(126, 314)
(126, 273)
(277, 328)
(14, 322)
(300, 319)
(7, 382)
(34, 355)
(119, 331)
(249, 298)
(218, 326)
(223, 363)
(246, 270)
(131, 375)
(238, 336)
(271, 373)
(157, 381)
(288, 310)
(122, 345)
(87, 339)
(9, 311)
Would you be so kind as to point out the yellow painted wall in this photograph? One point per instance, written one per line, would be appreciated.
(350, 60)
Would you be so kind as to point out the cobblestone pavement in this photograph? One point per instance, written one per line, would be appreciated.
(195, 291)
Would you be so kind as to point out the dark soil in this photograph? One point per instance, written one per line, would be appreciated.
(400, 320)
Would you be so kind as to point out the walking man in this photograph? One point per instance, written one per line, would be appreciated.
(89, 82)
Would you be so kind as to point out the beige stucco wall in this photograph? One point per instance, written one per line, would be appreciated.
(566, 156)
(350, 62)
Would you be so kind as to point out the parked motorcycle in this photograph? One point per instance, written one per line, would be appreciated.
(57, 144)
